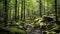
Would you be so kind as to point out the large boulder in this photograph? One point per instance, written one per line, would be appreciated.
(46, 18)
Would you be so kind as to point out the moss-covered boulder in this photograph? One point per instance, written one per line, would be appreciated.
(12, 30)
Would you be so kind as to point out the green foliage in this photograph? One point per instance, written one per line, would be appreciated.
(32, 12)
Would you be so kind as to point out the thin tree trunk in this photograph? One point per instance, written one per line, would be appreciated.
(18, 11)
(56, 12)
(40, 8)
(5, 12)
(15, 10)
(44, 9)
(23, 10)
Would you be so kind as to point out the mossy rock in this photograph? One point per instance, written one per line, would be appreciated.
(13, 30)
(46, 18)
(16, 30)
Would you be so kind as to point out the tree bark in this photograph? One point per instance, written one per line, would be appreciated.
(15, 10)
(5, 12)
(40, 8)
(23, 10)
(56, 12)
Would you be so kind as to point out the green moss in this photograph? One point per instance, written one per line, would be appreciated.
(12, 29)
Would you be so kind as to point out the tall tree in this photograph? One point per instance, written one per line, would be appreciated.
(15, 10)
(56, 12)
(5, 12)
(40, 6)
(18, 11)
(23, 10)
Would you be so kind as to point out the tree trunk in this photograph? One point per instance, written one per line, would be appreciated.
(56, 12)
(40, 8)
(5, 12)
(23, 10)
(15, 10)
(18, 11)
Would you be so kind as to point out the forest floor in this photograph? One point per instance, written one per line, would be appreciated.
(32, 27)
